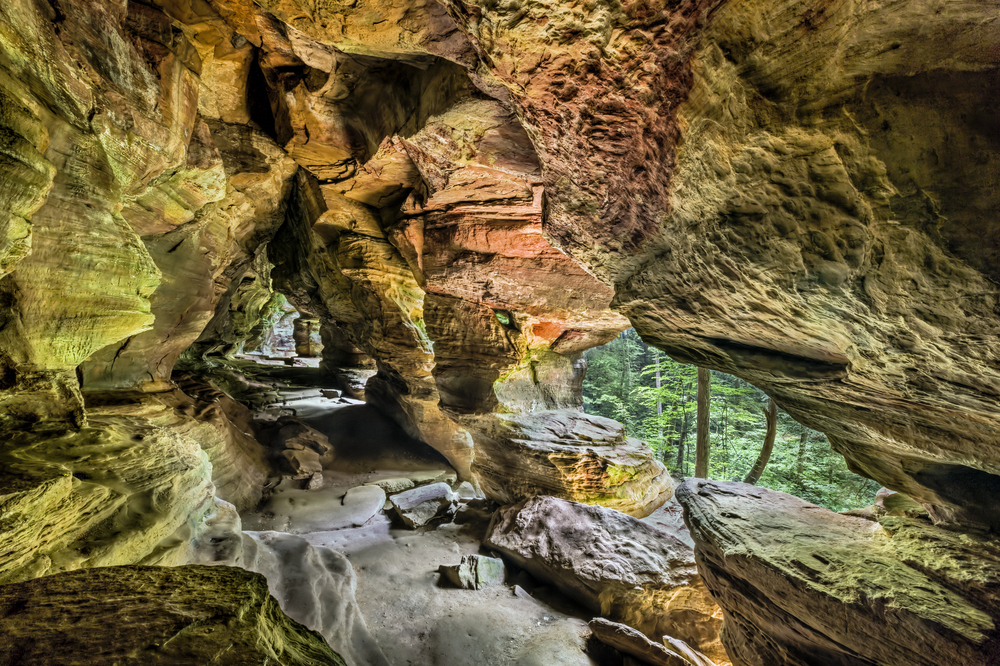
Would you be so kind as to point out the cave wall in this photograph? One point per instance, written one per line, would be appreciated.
(775, 192)
(465, 196)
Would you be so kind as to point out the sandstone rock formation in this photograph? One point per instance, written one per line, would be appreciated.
(567, 454)
(754, 199)
(614, 565)
(801, 585)
(459, 198)
(152, 615)
(131, 487)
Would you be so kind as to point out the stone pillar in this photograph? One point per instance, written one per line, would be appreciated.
(306, 336)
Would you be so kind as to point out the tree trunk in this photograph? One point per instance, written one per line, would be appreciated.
(702, 451)
(683, 430)
(765, 453)
(659, 402)
(800, 463)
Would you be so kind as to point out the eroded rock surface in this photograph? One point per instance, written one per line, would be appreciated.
(153, 615)
(630, 642)
(567, 454)
(132, 487)
(316, 587)
(614, 565)
(802, 585)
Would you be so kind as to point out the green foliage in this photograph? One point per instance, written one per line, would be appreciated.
(621, 384)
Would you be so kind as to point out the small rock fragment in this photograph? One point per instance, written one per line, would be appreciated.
(466, 491)
(315, 481)
(418, 506)
(475, 572)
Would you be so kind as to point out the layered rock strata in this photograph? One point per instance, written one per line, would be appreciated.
(613, 565)
(153, 615)
(799, 584)
(133, 486)
(567, 454)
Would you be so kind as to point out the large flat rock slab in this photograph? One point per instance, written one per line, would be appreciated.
(614, 565)
(152, 616)
(302, 511)
(801, 585)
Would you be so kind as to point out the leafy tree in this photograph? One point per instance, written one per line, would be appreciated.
(622, 384)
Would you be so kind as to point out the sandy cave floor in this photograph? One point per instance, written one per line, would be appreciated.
(416, 618)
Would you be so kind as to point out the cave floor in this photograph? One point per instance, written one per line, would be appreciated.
(417, 619)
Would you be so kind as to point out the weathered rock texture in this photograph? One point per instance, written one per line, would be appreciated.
(462, 197)
(614, 565)
(132, 487)
(801, 585)
(153, 615)
(315, 586)
(567, 454)
(474, 572)
(798, 193)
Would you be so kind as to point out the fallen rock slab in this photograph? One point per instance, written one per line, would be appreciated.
(801, 585)
(153, 616)
(631, 642)
(614, 565)
(419, 506)
(475, 572)
(297, 435)
(395, 484)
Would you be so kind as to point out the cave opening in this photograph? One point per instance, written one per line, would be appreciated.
(655, 397)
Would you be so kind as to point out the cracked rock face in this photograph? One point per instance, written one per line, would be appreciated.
(801, 585)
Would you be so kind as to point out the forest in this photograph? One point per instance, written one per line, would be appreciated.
(655, 398)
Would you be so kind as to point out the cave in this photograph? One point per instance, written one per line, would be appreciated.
(297, 301)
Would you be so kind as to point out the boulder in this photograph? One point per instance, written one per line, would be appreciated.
(152, 616)
(305, 462)
(297, 435)
(394, 485)
(566, 453)
(614, 565)
(418, 506)
(801, 585)
(475, 572)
